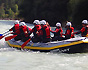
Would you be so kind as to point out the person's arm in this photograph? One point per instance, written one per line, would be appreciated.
(55, 31)
(77, 32)
(61, 32)
(82, 30)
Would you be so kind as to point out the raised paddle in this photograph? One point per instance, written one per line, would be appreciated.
(23, 45)
(10, 37)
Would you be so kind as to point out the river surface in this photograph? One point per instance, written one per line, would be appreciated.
(13, 59)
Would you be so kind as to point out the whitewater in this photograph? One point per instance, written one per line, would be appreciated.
(13, 59)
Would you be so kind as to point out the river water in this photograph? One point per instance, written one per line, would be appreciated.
(13, 59)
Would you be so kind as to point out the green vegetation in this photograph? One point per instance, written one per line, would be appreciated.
(2, 11)
(9, 9)
(51, 10)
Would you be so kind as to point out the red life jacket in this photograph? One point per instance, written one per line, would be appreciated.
(15, 29)
(69, 31)
(25, 30)
(40, 33)
(84, 31)
(35, 29)
(38, 27)
(46, 31)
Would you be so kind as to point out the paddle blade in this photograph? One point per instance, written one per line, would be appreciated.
(1, 37)
(10, 37)
(1, 34)
(23, 45)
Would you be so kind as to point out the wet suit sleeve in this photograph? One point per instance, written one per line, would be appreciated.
(55, 31)
(82, 30)
(77, 32)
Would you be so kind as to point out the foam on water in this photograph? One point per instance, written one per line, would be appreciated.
(13, 59)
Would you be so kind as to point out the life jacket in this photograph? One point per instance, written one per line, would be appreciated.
(68, 32)
(58, 31)
(84, 31)
(16, 29)
(40, 33)
(46, 31)
(35, 29)
(25, 31)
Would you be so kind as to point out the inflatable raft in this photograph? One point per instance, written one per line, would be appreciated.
(74, 45)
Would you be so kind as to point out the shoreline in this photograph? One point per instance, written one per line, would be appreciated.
(8, 19)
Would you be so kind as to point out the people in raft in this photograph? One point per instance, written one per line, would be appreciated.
(22, 32)
(69, 31)
(57, 33)
(44, 32)
(41, 31)
(84, 30)
(35, 30)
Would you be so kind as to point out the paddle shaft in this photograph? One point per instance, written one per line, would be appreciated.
(10, 37)
(24, 44)
(3, 36)
(5, 32)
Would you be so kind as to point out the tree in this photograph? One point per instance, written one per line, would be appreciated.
(16, 10)
(11, 13)
(2, 11)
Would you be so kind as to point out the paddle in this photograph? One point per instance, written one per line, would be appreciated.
(5, 32)
(10, 37)
(23, 45)
(2, 35)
